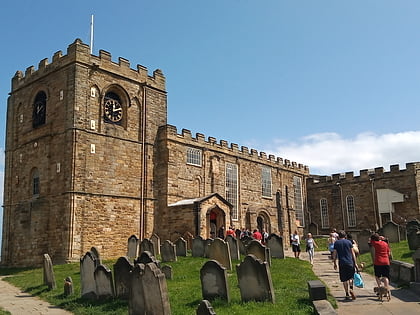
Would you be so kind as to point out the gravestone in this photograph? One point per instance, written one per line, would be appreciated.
(219, 250)
(87, 278)
(188, 237)
(416, 258)
(133, 243)
(245, 241)
(205, 308)
(147, 257)
(136, 302)
(168, 251)
(363, 239)
(233, 247)
(49, 278)
(181, 247)
(155, 291)
(156, 243)
(238, 233)
(258, 250)
(317, 290)
(104, 282)
(214, 282)
(275, 244)
(207, 243)
(167, 271)
(391, 231)
(122, 277)
(198, 247)
(95, 253)
(68, 286)
(254, 280)
(413, 234)
(146, 245)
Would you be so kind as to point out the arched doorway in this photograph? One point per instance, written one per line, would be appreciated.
(216, 221)
(263, 222)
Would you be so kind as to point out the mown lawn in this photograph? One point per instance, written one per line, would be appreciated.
(289, 277)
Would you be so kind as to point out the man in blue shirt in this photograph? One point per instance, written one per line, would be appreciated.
(343, 250)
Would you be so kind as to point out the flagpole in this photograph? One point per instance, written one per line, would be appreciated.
(91, 34)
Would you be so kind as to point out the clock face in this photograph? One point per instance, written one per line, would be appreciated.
(39, 113)
(113, 110)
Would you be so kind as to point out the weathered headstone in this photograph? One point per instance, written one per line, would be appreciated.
(207, 243)
(198, 247)
(155, 291)
(188, 237)
(87, 278)
(95, 253)
(363, 239)
(233, 247)
(136, 302)
(205, 308)
(181, 247)
(168, 251)
(416, 258)
(133, 246)
(167, 271)
(122, 277)
(68, 286)
(147, 257)
(245, 241)
(219, 250)
(258, 250)
(156, 243)
(391, 231)
(49, 278)
(104, 282)
(214, 282)
(413, 234)
(146, 245)
(275, 244)
(254, 280)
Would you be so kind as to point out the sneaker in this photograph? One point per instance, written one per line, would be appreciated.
(352, 295)
(348, 298)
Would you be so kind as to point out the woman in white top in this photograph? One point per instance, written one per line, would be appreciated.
(310, 247)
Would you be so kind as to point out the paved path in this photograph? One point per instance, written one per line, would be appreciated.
(17, 302)
(403, 301)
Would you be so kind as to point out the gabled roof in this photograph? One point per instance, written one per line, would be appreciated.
(185, 202)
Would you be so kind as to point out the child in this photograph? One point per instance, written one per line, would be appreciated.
(310, 244)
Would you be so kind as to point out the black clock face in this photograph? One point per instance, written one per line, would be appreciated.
(113, 110)
(39, 114)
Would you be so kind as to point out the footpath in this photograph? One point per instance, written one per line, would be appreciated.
(403, 301)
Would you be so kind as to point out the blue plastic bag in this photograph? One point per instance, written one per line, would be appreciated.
(358, 281)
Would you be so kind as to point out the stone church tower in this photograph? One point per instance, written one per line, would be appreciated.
(79, 156)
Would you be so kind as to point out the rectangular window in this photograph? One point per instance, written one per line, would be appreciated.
(324, 213)
(232, 188)
(266, 181)
(297, 186)
(194, 156)
(351, 211)
(35, 186)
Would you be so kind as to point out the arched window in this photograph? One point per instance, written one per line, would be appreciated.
(35, 183)
(39, 109)
(324, 213)
(351, 211)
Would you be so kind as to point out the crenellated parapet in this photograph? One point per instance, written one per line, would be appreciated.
(369, 174)
(78, 52)
(186, 137)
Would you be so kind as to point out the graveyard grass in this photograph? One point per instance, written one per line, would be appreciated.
(289, 278)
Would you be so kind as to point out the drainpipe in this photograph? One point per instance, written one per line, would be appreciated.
(341, 205)
(143, 165)
(372, 182)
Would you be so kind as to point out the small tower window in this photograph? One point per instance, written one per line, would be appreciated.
(35, 183)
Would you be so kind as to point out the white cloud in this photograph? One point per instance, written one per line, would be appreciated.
(330, 153)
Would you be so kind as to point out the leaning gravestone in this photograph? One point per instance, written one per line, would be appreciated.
(132, 245)
(205, 308)
(233, 247)
(155, 291)
(391, 231)
(275, 244)
(49, 278)
(87, 278)
(136, 302)
(198, 247)
(181, 247)
(156, 243)
(413, 234)
(219, 250)
(214, 282)
(95, 253)
(147, 245)
(168, 251)
(122, 277)
(258, 250)
(104, 282)
(254, 280)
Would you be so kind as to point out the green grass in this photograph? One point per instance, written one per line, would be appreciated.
(3, 312)
(289, 277)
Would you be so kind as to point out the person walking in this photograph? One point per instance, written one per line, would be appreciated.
(295, 244)
(343, 251)
(381, 263)
(310, 247)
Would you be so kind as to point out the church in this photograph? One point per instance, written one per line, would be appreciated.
(90, 160)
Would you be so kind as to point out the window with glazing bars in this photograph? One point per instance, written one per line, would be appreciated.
(324, 213)
(231, 188)
(297, 186)
(194, 156)
(351, 211)
(266, 181)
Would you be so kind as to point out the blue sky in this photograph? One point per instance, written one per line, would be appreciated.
(334, 85)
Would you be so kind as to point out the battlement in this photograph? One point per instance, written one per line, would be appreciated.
(370, 174)
(78, 52)
(186, 137)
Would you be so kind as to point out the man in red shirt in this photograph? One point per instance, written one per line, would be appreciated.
(381, 262)
(257, 235)
(231, 231)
